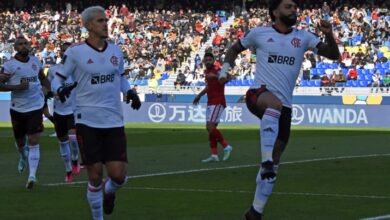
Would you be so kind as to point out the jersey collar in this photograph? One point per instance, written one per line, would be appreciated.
(100, 51)
(22, 61)
(277, 30)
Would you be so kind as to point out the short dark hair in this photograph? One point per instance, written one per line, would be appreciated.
(208, 54)
(274, 4)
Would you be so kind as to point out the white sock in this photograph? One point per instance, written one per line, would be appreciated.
(65, 154)
(33, 159)
(74, 147)
(95, 200)
(262, 193)
(111, 186)
(269, 129)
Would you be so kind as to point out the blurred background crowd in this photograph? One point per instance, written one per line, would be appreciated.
(159, 37)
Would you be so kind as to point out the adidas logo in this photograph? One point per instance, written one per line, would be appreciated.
(270, 40)
(269, 130)
(89, 61)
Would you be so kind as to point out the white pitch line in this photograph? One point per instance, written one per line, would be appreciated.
(377, 218)
(226, 168)
(251, 192)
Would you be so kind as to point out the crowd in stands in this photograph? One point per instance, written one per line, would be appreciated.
(157, 40)
(155, 43)
(361, 30)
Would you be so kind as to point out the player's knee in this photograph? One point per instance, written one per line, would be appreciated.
(63, 138)
(33, 139)
(119, 180)
(268, 172)
(210, 126)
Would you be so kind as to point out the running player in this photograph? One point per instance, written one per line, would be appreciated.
(23, 76)
(216, 104)
(97, 66)
(279, 49)
(64, 124)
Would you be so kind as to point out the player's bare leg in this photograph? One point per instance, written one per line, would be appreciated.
(117, 177)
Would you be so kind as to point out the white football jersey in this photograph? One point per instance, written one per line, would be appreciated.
(60, 108)
(278, 58)
(98, 75)
(32, 98)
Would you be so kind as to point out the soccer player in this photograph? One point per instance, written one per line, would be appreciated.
(216, 104)
(280, 49)
(64, 124)
(97, 68)
(23, 76)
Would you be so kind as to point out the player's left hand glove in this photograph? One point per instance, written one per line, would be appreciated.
(49, 95)
(133, 97)
(64, 91)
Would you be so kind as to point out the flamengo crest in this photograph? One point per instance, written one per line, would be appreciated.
(296, 42)
(114, 60)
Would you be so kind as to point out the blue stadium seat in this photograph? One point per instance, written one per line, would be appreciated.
(335, 65)
(311, 83)
(349, 83)
(143, 82)
(317, 83)
(304, 83)
(362, 83)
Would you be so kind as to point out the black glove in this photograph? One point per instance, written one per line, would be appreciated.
(49, 95)
(64, 91)
(135, 101)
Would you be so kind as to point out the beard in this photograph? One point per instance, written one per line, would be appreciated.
(24, 53)
(209, 65)
(288, 21)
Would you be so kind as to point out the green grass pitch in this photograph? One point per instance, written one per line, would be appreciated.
(326, 174)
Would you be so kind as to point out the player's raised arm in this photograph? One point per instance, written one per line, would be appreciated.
(230, 57)
(329, 49)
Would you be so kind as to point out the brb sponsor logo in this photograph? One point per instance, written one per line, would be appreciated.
(330, 116)
(98, 78)
(157, 113)
(279, 59)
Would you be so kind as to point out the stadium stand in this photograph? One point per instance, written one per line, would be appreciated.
(159, 38)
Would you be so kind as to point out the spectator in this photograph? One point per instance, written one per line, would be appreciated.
(180, 80)
(376, 81)
(340, 79)
(352, 74)
(325, 81)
